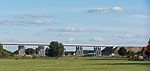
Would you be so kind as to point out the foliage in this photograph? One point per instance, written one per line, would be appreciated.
(30, 51)
(148, 52)
(55, 49)
(122, 51)
(16, 52)
(5, 53)
(130, 53)
(148, 49)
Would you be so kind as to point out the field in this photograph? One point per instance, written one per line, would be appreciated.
(73, 64)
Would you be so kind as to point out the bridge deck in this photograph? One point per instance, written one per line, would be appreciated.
(70, 45)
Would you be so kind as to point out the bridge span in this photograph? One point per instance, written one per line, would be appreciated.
(79, 47)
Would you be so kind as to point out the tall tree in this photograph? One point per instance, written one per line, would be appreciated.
(55, 49)
(122, 51)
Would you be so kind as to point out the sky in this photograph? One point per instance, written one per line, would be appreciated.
(109, 22)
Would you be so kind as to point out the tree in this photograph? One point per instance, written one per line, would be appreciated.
(122, 51)
(55, 49)
(30, 51)
(147, 52)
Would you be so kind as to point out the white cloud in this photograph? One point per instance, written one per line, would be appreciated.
(97, 39)
(33, 16)
(6, 33)
(71, 39)
(141, 16)
(76, 29)
(62, 34)
(99, 10)
(27, 20)
(10, 39)
(73, 29)
(118, 9)
(107, 10)
(130, 36)
(123, 35)
(68, 29)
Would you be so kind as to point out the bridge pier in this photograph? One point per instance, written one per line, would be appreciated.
(79, 51)
(1, 46)
(41, 51)
(21, 49)
(97, 51)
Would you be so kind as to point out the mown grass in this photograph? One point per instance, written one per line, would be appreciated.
(73, 64)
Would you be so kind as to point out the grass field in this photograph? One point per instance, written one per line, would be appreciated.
(73, 64)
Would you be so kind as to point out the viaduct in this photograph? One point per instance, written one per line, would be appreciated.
(79, 47)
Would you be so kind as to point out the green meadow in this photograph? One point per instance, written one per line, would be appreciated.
(73, 64)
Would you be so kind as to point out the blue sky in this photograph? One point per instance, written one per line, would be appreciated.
(118, 22)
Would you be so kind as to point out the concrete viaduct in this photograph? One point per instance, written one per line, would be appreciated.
(79, 47)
